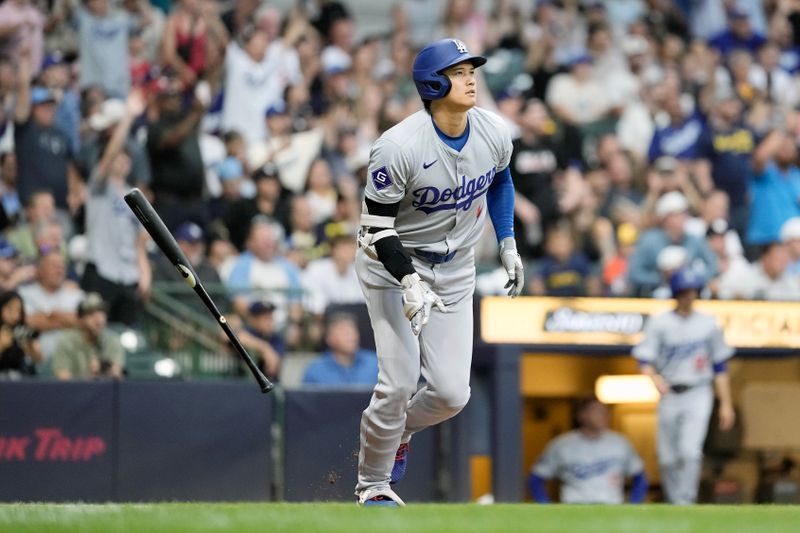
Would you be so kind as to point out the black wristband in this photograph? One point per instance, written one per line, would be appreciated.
(394, 257)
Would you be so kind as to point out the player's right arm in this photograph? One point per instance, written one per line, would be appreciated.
(646, 353)
(389, 170)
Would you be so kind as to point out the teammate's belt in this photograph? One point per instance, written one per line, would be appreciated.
(682, 387)
(433, 257)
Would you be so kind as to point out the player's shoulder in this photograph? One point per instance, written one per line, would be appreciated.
(404, 134)
(490, 119)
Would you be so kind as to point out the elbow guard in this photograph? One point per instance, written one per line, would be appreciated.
(379, 240)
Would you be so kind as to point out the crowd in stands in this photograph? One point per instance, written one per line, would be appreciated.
(649, 135)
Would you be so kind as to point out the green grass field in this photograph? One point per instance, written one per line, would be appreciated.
(309, 518)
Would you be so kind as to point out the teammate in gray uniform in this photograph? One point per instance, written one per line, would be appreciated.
(591, 462)
(432, 180)
(684, 352)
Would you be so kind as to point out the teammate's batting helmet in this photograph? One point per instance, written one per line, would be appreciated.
(435, 58)
(686, 279)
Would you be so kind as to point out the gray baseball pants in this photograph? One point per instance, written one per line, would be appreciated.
(442, 354)
(682, 428)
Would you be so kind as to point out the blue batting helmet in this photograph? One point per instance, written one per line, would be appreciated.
(686, 279)
(435, 58)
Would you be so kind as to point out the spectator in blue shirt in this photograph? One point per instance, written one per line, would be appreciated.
(774, 189)
(343, 363)
(725, 149)
(671, 211)
(262, 335)
(679, 137)
(740, 34)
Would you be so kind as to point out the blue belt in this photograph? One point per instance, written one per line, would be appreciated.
(433, 257)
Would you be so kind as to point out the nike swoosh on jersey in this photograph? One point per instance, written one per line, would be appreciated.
(426, 166)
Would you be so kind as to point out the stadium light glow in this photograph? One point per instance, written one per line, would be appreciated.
(626, 389)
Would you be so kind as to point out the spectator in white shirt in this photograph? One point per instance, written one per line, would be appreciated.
(333, 280)
(769, 278)
(257, 72)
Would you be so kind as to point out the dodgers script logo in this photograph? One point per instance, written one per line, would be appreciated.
(431, 199)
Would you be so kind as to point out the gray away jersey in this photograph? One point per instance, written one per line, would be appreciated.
(442, 192)
(683, 350)
(590, 470)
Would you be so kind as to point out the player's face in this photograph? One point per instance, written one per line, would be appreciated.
(686, 298)
(463, 92)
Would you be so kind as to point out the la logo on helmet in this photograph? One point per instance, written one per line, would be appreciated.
(462, 48)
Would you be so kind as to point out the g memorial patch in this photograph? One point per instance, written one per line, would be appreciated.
(381, 178)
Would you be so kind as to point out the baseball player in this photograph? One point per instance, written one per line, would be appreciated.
(684, 353)
(591, 462)
(433, 180)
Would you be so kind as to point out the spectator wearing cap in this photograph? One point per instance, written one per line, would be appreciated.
(12, 274)
(576, 96)
(118, 268)
(292, 153)
(191, 241)
(790, 236)
(261, 334)
(332, 280)
(344, 362)
(90, 350)
(669, 260)
(102, 124)
(774, 187)
(51, 301)
(725, 150)
(173, 147)
(671, 212)
(56, 76)
(739, 34)
(271, 200)
(256, 73)
(234, 187)
(44, 156)
(103, 46)
(263, 267)
(537, 157)
(668, 174)
(22, 25)
(713, 219)
(769, 278)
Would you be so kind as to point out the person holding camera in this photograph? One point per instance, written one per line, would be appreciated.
(89, 350)
(19, 344)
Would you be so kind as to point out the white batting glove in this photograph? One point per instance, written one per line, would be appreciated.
(513, 265)
(418, 299)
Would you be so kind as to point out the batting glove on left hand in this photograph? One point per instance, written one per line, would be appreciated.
(418, 298)
(513, 265)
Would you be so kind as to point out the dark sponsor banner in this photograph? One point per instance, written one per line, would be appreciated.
(321, 443)
(56, 441)
(620, 321)
(205, 441)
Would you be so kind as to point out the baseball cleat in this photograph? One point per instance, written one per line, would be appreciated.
(400, 462)
(379, 497)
